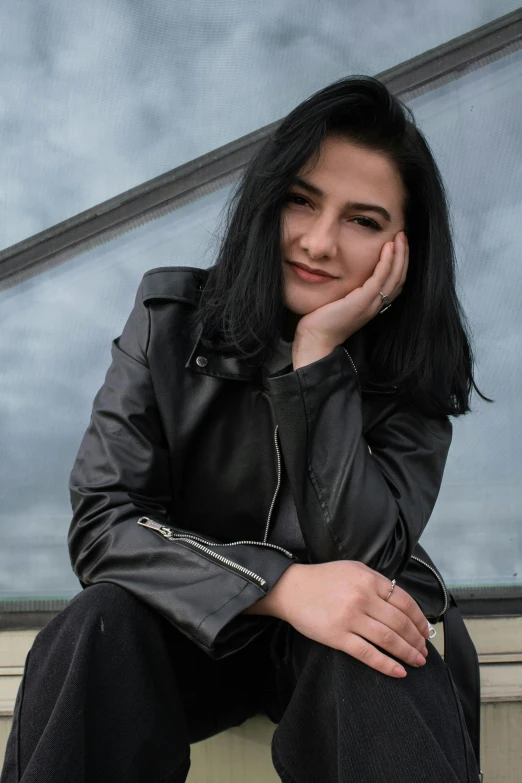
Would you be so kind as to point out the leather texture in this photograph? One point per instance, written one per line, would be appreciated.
(186, 437)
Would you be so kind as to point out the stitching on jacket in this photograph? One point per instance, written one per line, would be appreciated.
(315, 482)
(223, 375)
(177, 269)
(129, 355)
(147, 343)
(168, 298)
(226, 603)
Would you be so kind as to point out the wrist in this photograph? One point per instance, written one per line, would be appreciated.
(308, 350)
(276, 602)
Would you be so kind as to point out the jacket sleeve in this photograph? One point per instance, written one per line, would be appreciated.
(122, 473)
(363, 496)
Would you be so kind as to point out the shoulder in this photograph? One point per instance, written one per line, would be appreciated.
(173, 283)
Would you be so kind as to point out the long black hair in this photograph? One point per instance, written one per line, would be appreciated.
(422, 343)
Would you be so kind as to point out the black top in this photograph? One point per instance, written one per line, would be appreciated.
(285, 529)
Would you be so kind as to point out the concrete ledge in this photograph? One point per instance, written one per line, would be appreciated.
(243, 753)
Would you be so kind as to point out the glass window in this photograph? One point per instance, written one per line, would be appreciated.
(58, 326)
(55, 345)
(473, 126)
(96, 100)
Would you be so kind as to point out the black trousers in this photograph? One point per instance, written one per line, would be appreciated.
(113, 692)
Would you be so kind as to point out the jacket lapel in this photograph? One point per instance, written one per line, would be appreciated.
(205, 361)
(216, 364)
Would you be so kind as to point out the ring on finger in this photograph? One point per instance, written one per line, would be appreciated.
(392, 589)
(385, 298)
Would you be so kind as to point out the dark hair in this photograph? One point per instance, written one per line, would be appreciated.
(421, 344)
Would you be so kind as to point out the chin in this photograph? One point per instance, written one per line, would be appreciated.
(302, 303)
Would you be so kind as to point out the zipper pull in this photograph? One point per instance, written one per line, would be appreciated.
(431, 629)
(165, 531)
(146, 522)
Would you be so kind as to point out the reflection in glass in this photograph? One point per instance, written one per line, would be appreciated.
(57, 330)
(55, 345)
(108, 100)
(473, 126)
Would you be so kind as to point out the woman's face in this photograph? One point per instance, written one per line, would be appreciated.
(329, 224)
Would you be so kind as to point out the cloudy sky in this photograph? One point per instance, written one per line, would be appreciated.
(98, 97)
(95, 99)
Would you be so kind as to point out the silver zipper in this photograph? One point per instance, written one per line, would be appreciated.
(157, 526)
(166, 532)
(354, 367)
(439, 578)
(277, 487)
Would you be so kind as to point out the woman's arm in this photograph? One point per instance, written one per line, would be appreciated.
(121, 473)
(352, 503)
(344, 605)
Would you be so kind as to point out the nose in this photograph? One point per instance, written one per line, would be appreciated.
(320, 238)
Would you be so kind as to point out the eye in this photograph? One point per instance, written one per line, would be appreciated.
(295, 197)
(299, 200)
(369, 223)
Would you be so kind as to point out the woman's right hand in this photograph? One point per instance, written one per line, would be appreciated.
(342, 605)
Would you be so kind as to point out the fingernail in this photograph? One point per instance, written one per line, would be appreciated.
(421, 660)
(399, 672)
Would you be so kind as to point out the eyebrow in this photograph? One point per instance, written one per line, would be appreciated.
(349, 204)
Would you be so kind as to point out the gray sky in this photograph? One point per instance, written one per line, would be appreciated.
(96, 99)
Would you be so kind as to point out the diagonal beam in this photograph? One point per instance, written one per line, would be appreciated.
(222, 166)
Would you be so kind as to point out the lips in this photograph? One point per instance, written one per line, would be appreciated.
(311, 269)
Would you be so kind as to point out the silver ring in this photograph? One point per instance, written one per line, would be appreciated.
(385, 298)
(391, 591)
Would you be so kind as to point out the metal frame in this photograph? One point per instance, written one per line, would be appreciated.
(496, 601)
(222, 166)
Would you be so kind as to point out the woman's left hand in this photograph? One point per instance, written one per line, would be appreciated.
(320, 331)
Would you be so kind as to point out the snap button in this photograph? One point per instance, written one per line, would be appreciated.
(201, 361)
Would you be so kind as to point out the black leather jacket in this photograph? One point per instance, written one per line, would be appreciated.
(176, 478)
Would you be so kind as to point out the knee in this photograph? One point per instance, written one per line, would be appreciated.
(105, 599)
(342, 670)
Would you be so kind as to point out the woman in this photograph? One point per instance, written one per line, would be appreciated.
(261, 461)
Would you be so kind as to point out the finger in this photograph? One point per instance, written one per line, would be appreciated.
(401, 624)
(401, 600)
(385, 637)
(385, 277)
(398, 269)
(365, 652)
(376, 281)
(406, 262)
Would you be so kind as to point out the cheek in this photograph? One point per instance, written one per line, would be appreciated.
(289, 231)
(359, 257)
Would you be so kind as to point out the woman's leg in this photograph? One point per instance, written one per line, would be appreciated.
(113, 692)
(346, 722)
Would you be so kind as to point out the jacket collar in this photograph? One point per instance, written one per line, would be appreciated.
(206, 361)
